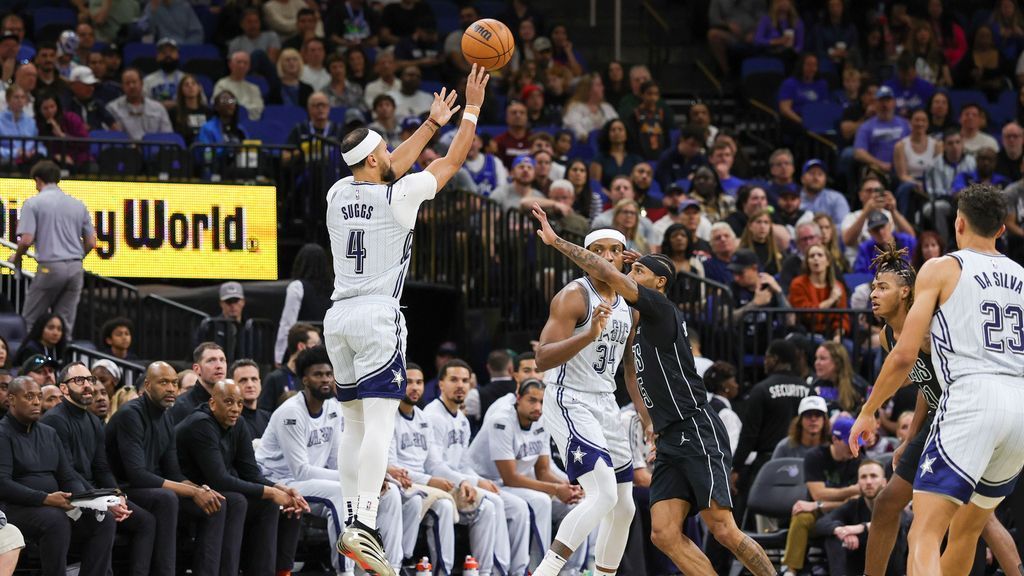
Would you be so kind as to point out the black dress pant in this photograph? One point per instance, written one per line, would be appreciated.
(251, 522)
(55, 532)
(142, 527)
(162, 506)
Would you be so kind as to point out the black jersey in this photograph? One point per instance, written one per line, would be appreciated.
(669, 384)
(922, 374)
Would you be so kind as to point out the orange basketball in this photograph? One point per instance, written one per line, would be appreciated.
(488, 43)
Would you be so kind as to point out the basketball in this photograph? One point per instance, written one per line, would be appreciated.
(488, 43)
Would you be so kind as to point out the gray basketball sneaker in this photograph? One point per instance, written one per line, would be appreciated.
(363, 544)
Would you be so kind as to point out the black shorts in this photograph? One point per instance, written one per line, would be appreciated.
(906, 468)
(693, 463)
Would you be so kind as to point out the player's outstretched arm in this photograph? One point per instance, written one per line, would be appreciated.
(441, 111)
(930, 282)
(591, 263)
(445, 168)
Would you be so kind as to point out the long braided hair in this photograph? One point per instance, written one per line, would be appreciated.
(895, 260)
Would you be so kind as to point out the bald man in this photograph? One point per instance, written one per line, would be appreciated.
(142, 453)
(214, 450)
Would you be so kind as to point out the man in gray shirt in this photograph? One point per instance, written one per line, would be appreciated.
(253, 38)
(134, 112)
(511, 196)
(61, 229)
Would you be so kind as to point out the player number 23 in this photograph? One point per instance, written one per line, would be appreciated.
(998, 318)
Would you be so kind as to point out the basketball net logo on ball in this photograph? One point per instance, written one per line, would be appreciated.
(488, 43)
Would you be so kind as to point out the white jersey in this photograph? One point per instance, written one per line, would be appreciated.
(593, 368)
(413, 446)
(979, 330)
(502, 438)
(297, 446)
(370, 226)
(452, 435)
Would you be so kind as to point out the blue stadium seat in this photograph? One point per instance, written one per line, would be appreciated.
(593, 140)
(762, 65)
(44, 17)
(491, 130)
(1005, 108)
(188, 52)
(260, 83)
(13, 330)
(94, 149)
(491, 8)
(207, 85)
(162, 138)
(208, 19)
(855, 279)
(821, 117)
(268, 131)
(958, 98)
(285, 114)
(430, 86)
(337, 115)
(136, 50)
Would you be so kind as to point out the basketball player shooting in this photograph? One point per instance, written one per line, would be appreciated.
(370, 220)
(972, 302)
(693, 455)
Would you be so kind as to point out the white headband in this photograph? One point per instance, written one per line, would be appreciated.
(361, 151)
(604, 234)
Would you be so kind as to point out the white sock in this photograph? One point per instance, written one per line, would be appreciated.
(367, 511)
(551, 565)
(348, 454)
(350, 509)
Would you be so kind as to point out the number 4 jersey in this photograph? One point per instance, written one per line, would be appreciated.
(593, 369)
(370, 226)
(979, 330)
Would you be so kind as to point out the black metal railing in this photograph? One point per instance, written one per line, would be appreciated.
(166, 328)
(708, 308)
(132, 373)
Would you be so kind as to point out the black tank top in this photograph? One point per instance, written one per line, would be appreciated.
(922, 374)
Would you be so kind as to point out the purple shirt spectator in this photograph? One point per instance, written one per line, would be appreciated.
(916, 95)
(766, 32)
(866, 253)
(801, 92)
(879, 137)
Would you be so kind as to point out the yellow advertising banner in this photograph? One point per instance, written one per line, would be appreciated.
(160, 230)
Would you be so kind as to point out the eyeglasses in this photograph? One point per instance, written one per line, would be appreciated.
(80, 380)
(875, 189)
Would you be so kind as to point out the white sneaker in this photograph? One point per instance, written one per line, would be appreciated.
(363, 544)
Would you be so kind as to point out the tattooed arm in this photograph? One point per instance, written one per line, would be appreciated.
(591, 263)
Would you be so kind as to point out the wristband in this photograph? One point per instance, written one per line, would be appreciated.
(436, 124)
(470, 117)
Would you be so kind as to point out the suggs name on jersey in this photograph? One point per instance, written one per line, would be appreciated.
(361, 211)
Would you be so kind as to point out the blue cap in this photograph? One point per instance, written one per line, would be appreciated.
(841, 429)
(524, 158)
(884, 92)
(411, 123)
(812, 163)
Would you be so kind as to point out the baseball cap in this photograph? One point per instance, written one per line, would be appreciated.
(524, 158)
(448, 349)
(35, 362)
(841, 429)
(688, 203)
(811, 164)
(165, 41)
(884, 92)
(84, 75)
(877, 219)
(410, 123)
(530, 89)
(541, 44)
(813, 404)
(742, 260)
(229, 290)
(354, 115)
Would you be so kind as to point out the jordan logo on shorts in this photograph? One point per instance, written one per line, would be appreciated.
(398, 378)
(926, 465)
(578, 455)
(682, 438)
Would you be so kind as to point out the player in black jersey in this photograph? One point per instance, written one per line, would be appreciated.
(693, 456)
(892, 293)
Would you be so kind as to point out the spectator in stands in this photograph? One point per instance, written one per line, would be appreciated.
(586, 203)
(1007, 25)
(116, 338)
(758, 237)
(873, 198)
(191, 111)
(913, 156)
(750, 200)
(682, 210)
(835, 381)
(615, 84)
(723, 156)
(49, 74)
(817, 287)
(751, 290)
(51, 396)
(830, 240)
(421, 49)
(835, 37)
(16, 25)
(340, 92)
(400, 18)
(107, 70)
(877, 137)
(537, 113)
(587, 110)
(781, 31)
(122, 396)
(647, 192)
(16, 122)
(846, 528)
(525, 57)
(385, 122)
(172, 19)
(48, 337)
(910, 92)
(770, 407)
(680, 245)
(939, 180)
(855, 114)
(514, 142)
(283, 382)
(222, 128)
(186, 380)
(386, 80)
(881, 230)
(110, 16)
(563, 53)
(849, 93)
(1011, 155)
(699, 116)
(650, 125)
(290, 90)
(38, 486)
(983, 66)
(356, 63)
(100, 406)
(639, 74)
(800, 89)
(308, 295)
(214, 449)
(246, 373)
(108, 375)
(949, 35)
(929, 62)
(972, 124)
(614, 156)
(732, 24)
(831, 475)
(245, 93)
(313, 72)
(305, 28)
(929, 245)
(81, 434)
(39, 368)
(807, 234)
(410, 101)
(626, 218)
(519, 194)
(349, 24)
(487, 171)
(282, 16)
(984, 173)
(135, 113)
(788, 212)
(210, 364)
(679, 163)
(53, 121)
(9, 46)
(808, 430)
(723, 247)
(253, 37)
(543, 173)
(781, 167)
(5, 358)
(939, 116)
(815, 197)
(707, 190)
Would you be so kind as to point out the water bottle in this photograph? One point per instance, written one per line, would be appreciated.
(471, 567)
(423, 567)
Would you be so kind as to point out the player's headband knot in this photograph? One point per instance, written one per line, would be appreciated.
(604, 234)
(363, 149)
